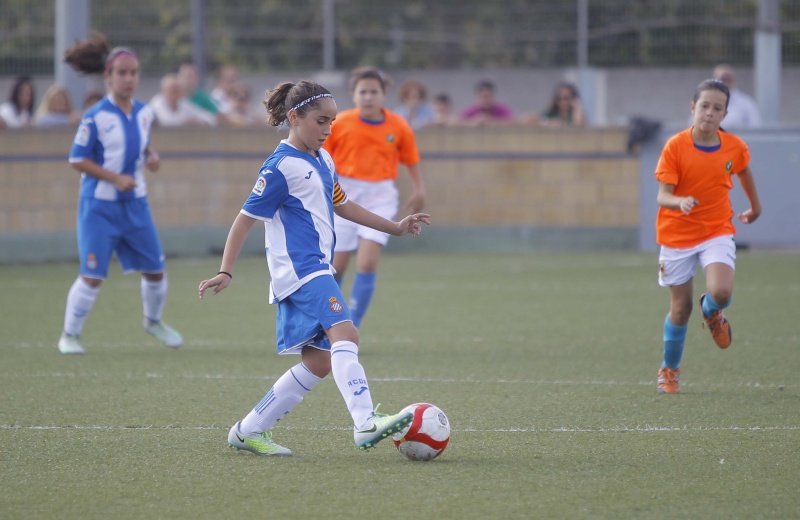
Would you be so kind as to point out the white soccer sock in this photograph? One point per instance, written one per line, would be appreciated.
(285, 394)
(80, 300)
(154, 296)
(352, 381)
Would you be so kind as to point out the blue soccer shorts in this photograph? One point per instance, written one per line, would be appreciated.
(122, 227)
(305, 315)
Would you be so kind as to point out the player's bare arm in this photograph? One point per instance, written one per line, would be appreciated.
(122, 182)
(667, 199)
(412, 224)
(233, 245)
(749, 187)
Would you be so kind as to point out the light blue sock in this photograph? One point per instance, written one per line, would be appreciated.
(674, 338)
(710, 306)
(361, 295)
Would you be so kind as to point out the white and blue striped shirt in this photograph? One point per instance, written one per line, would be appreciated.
(115, 141)
(295, 195)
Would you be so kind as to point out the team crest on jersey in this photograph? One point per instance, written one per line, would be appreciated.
(728, 166)
(390, 138)
(91, 261)
(336, 305)
(82, 137)
(261, 183)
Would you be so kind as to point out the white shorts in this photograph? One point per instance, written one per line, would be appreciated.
(678, 266)
(381, 198)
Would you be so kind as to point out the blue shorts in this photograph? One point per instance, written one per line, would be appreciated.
(122, 227)
(305, 315)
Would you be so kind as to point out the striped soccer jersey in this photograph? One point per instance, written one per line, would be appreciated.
(294, 195)
(115, 141)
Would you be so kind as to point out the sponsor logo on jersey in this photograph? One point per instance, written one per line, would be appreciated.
(336, 305)
(261, 183)
(91, 261)
(728, 166)
(82, 137)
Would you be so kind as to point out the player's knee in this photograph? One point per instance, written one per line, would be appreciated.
(721, 296)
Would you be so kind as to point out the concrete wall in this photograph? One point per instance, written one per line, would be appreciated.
(508, 189)
(775, 162)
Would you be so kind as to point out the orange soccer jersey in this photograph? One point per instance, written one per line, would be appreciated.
(371, 151)
(706, 176)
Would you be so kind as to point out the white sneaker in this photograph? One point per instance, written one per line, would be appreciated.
(381, 426)
(258, 443)
(68, 344)
(166, 334)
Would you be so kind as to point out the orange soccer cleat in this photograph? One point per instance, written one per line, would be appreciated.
(668, 380)
(719, 326)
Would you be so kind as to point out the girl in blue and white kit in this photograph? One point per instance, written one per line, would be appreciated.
(111, 150)
(296, 195)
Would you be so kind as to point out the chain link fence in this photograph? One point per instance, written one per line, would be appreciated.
(279, 35)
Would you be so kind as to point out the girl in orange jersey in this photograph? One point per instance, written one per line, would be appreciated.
(367, 143)
(694, 224)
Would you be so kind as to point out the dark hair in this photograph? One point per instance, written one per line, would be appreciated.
(443, 97)
(369, 73)
(552, 110)
(20, 82)
(286, 96)
(410, 85)
(93, 56)
(485, 85)
(712, 84)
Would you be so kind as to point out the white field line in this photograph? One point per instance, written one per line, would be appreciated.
(562, 429)
(542, 382)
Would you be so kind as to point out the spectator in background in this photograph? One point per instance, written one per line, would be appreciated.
(187, 73)
(56, 109)
(414, 106)
(91, 100)
(443, 111)
(172, 109)
(486, 109)
(241, 112)
(17, 112)
(742, 109)
(565, 109)
(222, 95)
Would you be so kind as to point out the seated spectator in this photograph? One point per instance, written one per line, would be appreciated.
(414, 108)
(443, 111)
(91, 99)
(17, 112)
(242, 112)
(227, 77)
(56, 109)
(187, 73)
(486, 109)
(172, 109)
(742, 109)
(566, 109)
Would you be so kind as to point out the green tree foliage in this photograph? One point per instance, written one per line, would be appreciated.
(414, 34)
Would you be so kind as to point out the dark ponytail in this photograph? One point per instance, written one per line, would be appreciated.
(302, 97)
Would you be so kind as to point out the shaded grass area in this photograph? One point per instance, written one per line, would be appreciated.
(544, 363)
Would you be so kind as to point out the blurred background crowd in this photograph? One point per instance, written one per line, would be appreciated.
(515, 62)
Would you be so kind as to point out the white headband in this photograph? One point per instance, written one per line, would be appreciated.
(309, 100)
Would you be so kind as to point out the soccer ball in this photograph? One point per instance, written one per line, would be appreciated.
(427, 436)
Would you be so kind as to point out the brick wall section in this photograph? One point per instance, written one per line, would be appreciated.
(474, 177)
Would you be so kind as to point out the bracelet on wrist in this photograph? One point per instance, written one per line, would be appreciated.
(227, 273)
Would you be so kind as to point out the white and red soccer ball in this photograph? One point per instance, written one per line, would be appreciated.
(427, 436)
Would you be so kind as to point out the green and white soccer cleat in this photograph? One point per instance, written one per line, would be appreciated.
(166, 334)
(68, 344)
(258, 443)
(381, 426)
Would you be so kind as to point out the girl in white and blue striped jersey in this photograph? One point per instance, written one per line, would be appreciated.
(296, 195)
(111, 150)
